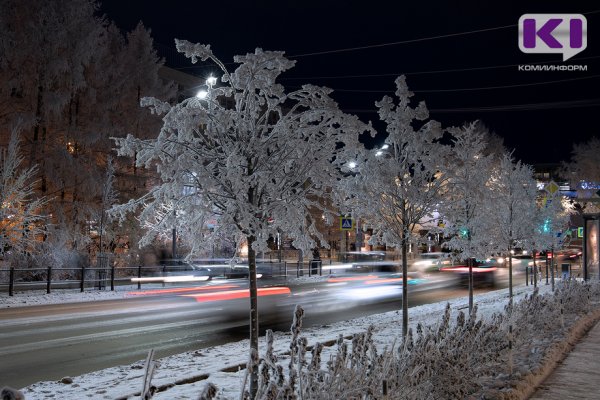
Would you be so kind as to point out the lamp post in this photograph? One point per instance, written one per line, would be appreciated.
(202, 95)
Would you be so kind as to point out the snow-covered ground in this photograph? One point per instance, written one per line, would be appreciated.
(185, 375)
(35, 297)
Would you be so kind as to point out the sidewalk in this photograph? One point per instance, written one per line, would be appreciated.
(577, 376)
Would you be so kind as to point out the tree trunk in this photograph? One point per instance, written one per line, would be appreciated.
(470, 265)
(510, 275)
(253, 316)
(534, 271)
(470, 262)
(101, 229)
(552, 266)
(36, 128)
(404, 288)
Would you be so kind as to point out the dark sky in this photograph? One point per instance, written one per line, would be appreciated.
(536, 115)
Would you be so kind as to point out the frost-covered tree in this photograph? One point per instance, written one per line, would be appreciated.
(402, 187)
(494, 143)
(583, 171)
(551, 220)
(511, 215)
(247, 153)
(75, 81)
(109, 198)
(21, 215)
(44, 52)
(465, 203)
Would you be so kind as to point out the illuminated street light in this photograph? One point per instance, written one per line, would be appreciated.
(211, 81)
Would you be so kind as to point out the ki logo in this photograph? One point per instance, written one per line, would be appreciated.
(553, 33)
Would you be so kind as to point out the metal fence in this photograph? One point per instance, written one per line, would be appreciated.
(82, 278)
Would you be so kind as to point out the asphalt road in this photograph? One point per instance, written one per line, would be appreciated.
(52, 341)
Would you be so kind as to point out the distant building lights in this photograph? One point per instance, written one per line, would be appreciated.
(589, 185)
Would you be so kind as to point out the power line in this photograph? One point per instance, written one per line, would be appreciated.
(439, 71)
(508, 107)
(318, 53)
(471, 89)
(411, 40)
(524, 107)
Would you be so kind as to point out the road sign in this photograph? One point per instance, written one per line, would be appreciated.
(346, 223)
(546, 201)
(551, 187)
(580, 232)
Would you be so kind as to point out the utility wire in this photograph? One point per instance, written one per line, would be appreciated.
(397, 43)
(508, 107)
(471, 89)
(373, 46)
(317, 53)
(439, 71)
(524, 107)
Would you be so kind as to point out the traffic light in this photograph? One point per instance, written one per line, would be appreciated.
(463, 233)
(546, 226)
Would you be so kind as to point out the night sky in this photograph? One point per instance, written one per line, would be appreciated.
(460, 57)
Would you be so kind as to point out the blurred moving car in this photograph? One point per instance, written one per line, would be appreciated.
(184, 268)
(242, 271)
(369, 261)
(484, 273)
(431, 262)
(519, 262)
(570, 254)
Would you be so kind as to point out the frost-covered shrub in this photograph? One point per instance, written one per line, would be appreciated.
(55, 257)
(442, 361)
(525, 324)
(8, 393)
(461, 357)
(539, 321)
(538, 324)
(446, 361)
(355, 371)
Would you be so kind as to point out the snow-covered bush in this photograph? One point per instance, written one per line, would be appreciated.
(539, 322)
(462, 356)
(447, 360)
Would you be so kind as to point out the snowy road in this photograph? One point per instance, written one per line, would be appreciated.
(49, 342)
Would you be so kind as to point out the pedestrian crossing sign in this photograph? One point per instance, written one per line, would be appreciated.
(346, 223)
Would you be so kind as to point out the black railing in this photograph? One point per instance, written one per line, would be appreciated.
(50, 278)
